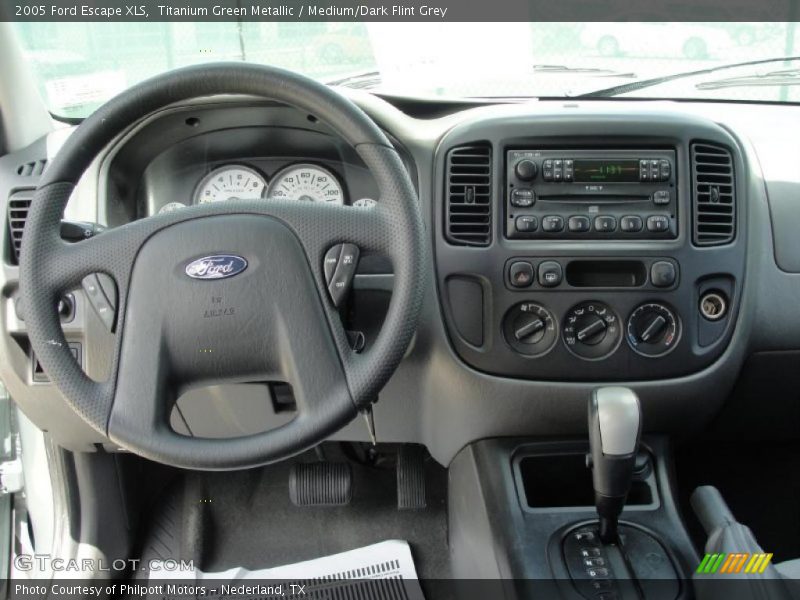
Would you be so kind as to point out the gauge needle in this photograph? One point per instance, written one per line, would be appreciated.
(590, 330)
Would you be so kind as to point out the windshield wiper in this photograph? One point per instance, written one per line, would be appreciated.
(591, 71)
(364, 80)
(773, 78)
(646, 83)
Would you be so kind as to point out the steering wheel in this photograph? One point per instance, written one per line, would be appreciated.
(264, 316)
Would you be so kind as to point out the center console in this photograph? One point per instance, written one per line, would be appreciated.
(589, 250)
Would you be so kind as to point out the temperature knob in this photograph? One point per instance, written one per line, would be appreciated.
(653, 329)
(591, 330)
(529, 328)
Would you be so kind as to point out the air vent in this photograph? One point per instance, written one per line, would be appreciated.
(18, 204)
(469, 195)
(714, 195)
(32, 169)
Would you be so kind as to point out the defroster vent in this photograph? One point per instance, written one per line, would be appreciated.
(469, 195)
(714, 195)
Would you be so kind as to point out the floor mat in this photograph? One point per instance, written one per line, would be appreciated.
(383, 571)
(760, 482)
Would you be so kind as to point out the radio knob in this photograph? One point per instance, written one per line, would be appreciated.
(526, 170)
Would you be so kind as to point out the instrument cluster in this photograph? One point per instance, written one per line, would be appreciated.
(303, 182)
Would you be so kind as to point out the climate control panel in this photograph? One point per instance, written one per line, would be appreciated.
(593, 330)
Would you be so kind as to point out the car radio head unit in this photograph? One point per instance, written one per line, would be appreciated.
(591, 194)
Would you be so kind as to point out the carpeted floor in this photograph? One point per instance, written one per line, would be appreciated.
(224, 520)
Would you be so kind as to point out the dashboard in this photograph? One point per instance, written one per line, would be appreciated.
(571, 243)
(604, 255)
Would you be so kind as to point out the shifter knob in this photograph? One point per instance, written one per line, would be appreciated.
(615, 426)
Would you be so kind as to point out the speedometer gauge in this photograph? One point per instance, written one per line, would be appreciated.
(306, 182)
(231, 182)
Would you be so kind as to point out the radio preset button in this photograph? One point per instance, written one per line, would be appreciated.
(521, 274)
(579, 224)
(526, 223)
(657, 223)
(605, 224)
(552, 223)
(523, 197)
(630, 224)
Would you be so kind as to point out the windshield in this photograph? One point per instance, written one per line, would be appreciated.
(80, 65)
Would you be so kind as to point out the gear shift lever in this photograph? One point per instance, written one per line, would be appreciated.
(615, 425)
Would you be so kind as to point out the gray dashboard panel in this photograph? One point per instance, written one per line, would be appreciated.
(434, 398)
(596, 129)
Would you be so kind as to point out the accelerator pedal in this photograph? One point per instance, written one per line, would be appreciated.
(411, 477)
(320, 484)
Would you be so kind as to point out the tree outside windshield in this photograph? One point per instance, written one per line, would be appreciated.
(81, 65)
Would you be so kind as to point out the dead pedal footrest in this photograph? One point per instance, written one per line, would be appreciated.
(320, 484)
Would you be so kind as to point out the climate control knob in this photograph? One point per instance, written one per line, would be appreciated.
(529, 328)
(526, 170)
(653, 329)
(591, 330)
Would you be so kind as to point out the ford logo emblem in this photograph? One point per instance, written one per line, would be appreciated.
(217, 266)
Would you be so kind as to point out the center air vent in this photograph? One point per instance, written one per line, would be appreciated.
(18, 204)
(469, 195)
(714, 195)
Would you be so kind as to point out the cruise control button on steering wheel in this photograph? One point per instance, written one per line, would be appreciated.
(340, 266)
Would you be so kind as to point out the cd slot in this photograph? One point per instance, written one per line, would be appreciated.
(593, 199)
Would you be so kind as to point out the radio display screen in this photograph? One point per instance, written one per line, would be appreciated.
(602, 171)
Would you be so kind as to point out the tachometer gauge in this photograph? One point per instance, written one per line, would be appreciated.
(231, 182)
(306, 182)
(171, 207)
